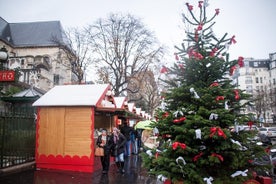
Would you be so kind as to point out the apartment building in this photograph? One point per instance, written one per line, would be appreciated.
(37, 50)
(258, 78)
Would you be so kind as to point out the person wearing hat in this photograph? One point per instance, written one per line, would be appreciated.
(104, 141)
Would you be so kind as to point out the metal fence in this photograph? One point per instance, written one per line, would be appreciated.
(17, 137)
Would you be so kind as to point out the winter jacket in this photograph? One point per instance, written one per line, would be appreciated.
(109, 143)
(119, 147)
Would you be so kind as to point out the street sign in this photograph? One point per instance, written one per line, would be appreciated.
(7, 75)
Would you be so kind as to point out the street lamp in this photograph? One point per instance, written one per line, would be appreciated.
(3, 54)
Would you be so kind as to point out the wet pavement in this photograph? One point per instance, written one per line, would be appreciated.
(134, 174)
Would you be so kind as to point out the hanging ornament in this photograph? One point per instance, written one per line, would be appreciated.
(197, 156)
(213, 116)
(219, 98)
(217, 11)
(179, 120)
(208, 180)
(218, 156)
(192, 90)
(198, 133)
(242, 173)
(178, 144)
(237, 96)
(219, 131)
(226, 105)
(250, 123)
(149, 153)
(183, 162)
(232, 40)
(176, 113)
(162, 178)
(240, 61)
(214, 84)
(208, 65)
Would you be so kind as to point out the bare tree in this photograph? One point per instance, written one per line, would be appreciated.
(122, 47)
(148, 97)
(77, 51)
(262, 103)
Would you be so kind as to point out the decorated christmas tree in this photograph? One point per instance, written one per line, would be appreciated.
(199, 138)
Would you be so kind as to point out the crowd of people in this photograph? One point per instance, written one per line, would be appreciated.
(120, 144)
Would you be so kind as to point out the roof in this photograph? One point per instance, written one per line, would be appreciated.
(75, 95)
(30, 34)
(30, 94)
(119, 101)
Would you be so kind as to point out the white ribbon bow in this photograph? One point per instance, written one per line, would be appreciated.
(237, 173)
(162, 178)
(198, 133)
(178, 112)
(208, 180)
(213, 116)
(149, 153)
(192, 90)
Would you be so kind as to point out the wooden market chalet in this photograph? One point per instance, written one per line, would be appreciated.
(67, 117)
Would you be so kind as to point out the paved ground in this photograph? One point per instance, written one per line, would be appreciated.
(134, 175)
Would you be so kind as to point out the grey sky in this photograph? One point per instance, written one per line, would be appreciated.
(251, 21)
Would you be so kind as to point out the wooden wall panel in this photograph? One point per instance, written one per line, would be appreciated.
(51, 131)
(78, 131)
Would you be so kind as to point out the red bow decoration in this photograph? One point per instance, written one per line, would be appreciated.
(156, 155)
(233, 40)
(190, 7)
(214, 50)
(176, 144)
(218, 156)
(217, 130)
(232, 69)
(197, 157)
(200, 4)
(164, 70)
(218, 98)
(179, 120)
(250, 123)
(195, 54)
(200, 26)
(237, 96)
(176, 56)
(217, 11)
(240, 61)
(196, 35)
(214, 84)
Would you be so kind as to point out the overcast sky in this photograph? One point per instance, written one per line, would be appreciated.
(253, 22)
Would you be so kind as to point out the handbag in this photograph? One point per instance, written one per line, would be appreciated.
(99, 151)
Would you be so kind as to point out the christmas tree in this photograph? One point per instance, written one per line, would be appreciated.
(198, 135)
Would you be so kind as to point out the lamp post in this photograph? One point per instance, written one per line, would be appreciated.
(3, 56)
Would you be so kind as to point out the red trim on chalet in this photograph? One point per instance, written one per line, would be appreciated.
(75, 163)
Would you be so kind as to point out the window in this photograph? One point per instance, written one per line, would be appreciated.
(56, 79)
(257, 80)
(261, 80)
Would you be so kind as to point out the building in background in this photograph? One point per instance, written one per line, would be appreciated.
(35, 49)
(258, 78)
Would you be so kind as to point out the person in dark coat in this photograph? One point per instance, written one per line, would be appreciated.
(127, 131)
(119, 142)
(104, 141)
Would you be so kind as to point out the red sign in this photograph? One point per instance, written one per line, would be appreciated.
(7, 75)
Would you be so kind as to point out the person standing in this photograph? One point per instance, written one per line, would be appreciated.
(119, 141)
(104, 141)
(133, 138)
(126, 131)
